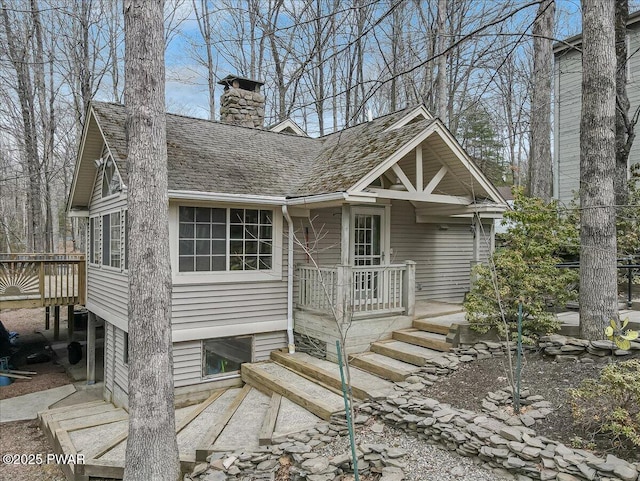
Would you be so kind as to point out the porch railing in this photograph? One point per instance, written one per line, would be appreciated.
(358, 290)
(40, 280)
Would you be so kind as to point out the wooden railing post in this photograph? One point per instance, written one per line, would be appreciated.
(344, 290)
(41, 283)
(82, 282)
(409, 288)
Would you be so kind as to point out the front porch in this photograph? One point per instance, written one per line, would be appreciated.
(348, 292)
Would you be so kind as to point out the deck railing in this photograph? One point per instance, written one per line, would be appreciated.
(41, 280)
(357, 290)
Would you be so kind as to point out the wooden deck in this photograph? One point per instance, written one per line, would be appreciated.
(42, 280)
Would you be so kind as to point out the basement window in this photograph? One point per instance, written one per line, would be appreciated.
(223, 356)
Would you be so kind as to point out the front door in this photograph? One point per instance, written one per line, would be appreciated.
(368, 249)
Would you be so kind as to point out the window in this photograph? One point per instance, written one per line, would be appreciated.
(111, 240)
(110, 178)
(106, 232)
(115, 240)
(94, 241)
(225, 239)
(225, 355)
(125, 349)
(126, 239)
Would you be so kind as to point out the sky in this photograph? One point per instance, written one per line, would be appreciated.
(186, 89)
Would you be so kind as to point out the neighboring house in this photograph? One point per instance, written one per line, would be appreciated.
(393, 211)
(568, 102)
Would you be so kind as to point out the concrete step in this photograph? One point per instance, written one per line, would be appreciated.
(383, 366)
(270, 377)
(364, 385)
(437, 342)
(402, 351)
(428, 326)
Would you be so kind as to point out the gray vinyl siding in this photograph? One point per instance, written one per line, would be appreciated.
(568, 103)
(214, 305)
(121, 374)
(107, 287)
(323, 240)
(187, 356)
(443, 253)
(266, 342)
(187, 363)
(324, 227)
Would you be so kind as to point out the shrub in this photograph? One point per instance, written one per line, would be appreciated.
(611, 404)
(525, 269)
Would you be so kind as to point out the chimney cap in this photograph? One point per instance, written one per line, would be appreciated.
(241, 82)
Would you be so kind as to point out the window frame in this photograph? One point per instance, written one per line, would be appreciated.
(95, 240)
(199, 277)
(224, 375)
(107, 161)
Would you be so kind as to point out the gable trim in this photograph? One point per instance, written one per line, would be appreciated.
(435, 127)
(394, 159)
(420, 110)
(76, 170)
(289, 124)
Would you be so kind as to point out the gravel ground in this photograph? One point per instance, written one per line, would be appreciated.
(423, 461)
(25, 437)
(28, 323)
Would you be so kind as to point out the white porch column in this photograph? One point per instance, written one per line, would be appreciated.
(343, 293)
(345, 235)
(409, 288)
(91, 348)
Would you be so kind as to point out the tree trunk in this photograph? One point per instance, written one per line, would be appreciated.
(540, 163)
(598, 280)
(152, 451)
(441, 81)
(624, 128)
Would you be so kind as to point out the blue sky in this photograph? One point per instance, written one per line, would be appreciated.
(186, 89)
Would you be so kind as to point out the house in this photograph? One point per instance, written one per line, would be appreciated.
(568, 102)
(272, 232)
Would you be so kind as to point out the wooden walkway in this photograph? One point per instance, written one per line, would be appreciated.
(230, 419)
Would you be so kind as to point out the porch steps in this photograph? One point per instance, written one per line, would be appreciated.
(270, 377)
(363, 384)
(437, 342)
(403, 351)
(428, 326)
(383, 366)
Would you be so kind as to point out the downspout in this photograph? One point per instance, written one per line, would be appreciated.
(292, 347)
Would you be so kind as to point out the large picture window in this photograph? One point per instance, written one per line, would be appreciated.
(225, 239)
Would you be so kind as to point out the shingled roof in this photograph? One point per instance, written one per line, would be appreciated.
(207, 156)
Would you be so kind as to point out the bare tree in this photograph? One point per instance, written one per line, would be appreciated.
(540, 163)
(203, 16)
(624, 125)
(441, 83)
(598, 280)
(18, 37)
(152, 450)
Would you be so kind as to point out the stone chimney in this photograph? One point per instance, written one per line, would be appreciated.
(241, 103)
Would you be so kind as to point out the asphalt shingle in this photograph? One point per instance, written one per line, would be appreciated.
(209, 156)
